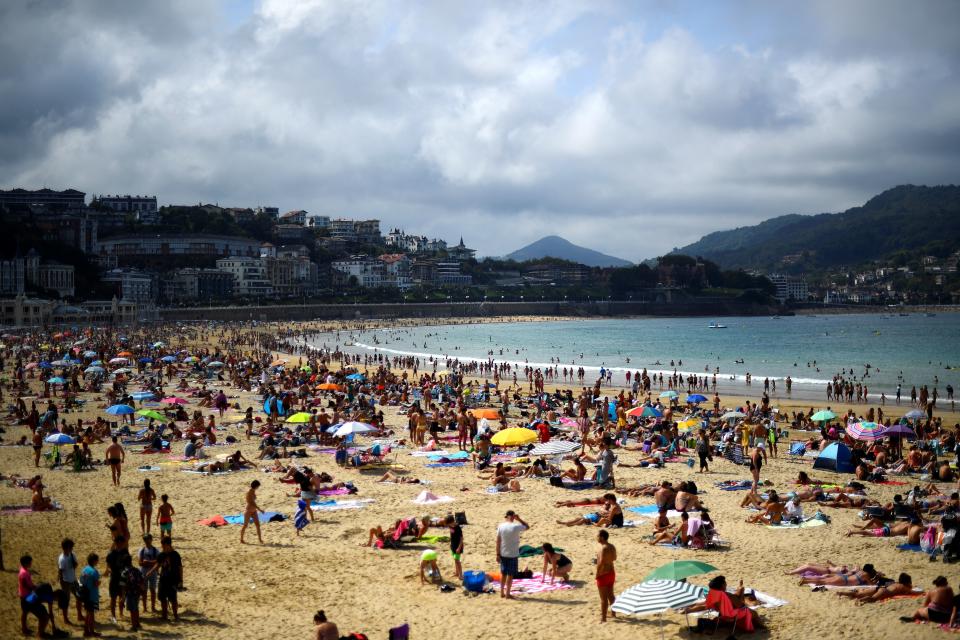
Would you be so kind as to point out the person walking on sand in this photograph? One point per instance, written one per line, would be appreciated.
(606, 574)
(146, 497)
(508, 550)
(756, 463)
(165, 516)
(251, 510)
(115, 456)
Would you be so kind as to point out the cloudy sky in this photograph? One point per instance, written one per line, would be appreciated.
(629, 127)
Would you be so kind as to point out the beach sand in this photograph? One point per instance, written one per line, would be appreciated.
(253, 591)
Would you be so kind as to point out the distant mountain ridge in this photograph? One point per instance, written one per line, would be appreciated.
(905, 218)
(557, 247)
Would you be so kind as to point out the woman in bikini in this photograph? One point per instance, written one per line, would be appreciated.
(856, 578)
(146, 497)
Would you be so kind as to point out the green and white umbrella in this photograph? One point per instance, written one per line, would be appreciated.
(656, 596)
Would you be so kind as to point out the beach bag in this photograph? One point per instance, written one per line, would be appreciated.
(928, 542)
(460, 517)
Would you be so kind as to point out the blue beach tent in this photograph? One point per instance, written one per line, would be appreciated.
(836, 457)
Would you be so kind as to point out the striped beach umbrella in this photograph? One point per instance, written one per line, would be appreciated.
(656, 596)
(865, 430)
(554, 448)
(645, 411)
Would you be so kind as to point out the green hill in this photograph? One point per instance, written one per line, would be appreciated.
(906, 218)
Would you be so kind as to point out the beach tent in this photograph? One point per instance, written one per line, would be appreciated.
(836, 457)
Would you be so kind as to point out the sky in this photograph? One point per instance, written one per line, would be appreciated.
(629, 127)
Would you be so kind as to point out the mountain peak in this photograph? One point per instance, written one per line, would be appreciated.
(557, 247)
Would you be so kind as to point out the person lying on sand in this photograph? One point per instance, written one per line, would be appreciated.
(642, 491)
(379, 535)
(395, 478)
(856, 578)
(586, 502)
(892, 530)
(828, 568)
(850, 501)
(902, 587)
(610, 516)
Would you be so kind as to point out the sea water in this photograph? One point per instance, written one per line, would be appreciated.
(881, 350)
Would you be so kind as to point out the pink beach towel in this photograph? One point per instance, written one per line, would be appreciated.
(533, 585)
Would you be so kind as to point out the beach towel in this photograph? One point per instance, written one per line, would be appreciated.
(215, 521)
(532, 585)
(734, 485)
(267, 516)
(440, 465)
(341, 491)
(911, 547)
(148, 467)
(333, 505)
(206, 473)
(651, 511)
(300, 519)
(892, 483)
(459, 455)
(579, 486)
(21, 510)
(527, 551)
(428, 497)
(806, 524)
(433, 539)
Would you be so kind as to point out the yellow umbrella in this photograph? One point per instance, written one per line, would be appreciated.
(300, 417)
(514, 437)
(689, 424)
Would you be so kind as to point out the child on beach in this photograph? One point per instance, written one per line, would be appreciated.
(165, 516)
(428, 567)
(300, 519)
(456, 544)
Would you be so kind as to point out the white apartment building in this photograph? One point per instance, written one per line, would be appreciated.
(249, 275)
(369, 272)
(790, 288)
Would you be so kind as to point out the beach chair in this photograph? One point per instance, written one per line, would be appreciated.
(734, 453)
(797, 452)
(400, 633)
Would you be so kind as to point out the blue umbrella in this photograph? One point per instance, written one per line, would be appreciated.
(142, 395)
(94, 369)
(59, 438)
(44, 365)
(96, 363)
(145, 360)
(89, 354)
(56, 380)
(696, 398)
(120, 410)
(169, 359)
(355, 376)
(651, 412)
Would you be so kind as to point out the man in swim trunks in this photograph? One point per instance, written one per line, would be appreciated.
(165, 516)
(115, 456)
(606, 574)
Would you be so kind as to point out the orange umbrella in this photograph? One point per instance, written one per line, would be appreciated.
(488, 413)
(328, 386)
(124, 354)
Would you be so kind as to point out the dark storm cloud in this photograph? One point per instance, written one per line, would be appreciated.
(613, 124)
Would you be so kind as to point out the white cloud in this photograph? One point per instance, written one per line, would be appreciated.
(628, 130)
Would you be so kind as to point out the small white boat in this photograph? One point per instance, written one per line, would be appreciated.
(716, 325)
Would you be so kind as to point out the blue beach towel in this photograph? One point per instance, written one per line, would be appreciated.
(434, 465)
(647, 509)
(269, 516)
(300, 519)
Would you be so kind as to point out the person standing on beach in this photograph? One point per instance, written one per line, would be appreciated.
(251, 510)
(508, 550)
(756, 463)
(606, 574)
(146, 497)
(165, 516)
(115, 456)
(456, 544)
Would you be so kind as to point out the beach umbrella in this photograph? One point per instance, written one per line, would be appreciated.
(669, 394)
(62, 363)
(328, 386)
(215, 364)
(278, 363)
(89, 354)
(59, 438)
(96, 363)
(174, 400)
(157, 345)
(56, 380)
(865, 430)
(124, 354)
(645, 411)
(30, 365)
(514, 437)
(44, 365)
(143, 395)
(190, 359)
(94, 369)
(169, 359)
(306, 368)
(301, 417)
(145, 360)
(120, 371)
(118, 360)
(486, 412)
(554, 448)
(150, 413)
(696, 398)
(120, 410)
(656, 596)
(355, 376)
(824, 415)
(351, 427)
(915, 414)
(679, 570)
(731, 415)
(900, 430)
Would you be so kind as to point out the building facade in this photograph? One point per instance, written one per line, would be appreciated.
(66, 200)
(249, 276)
(143, 208)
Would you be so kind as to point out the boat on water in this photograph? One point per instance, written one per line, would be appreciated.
(930, 315)
(716, 325)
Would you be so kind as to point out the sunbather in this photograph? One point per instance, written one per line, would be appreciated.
(892, 530)
(858, 577)
(771, 514)
(395, 478)
(938, 604)
(586, 502)
(820, 569)
(902, 587)
(850, 501)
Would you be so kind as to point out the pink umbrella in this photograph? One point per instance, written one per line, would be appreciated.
(174, 400)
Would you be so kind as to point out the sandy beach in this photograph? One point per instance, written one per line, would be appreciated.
(256, 591)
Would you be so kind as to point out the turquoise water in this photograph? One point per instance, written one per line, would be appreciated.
(810, 349)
